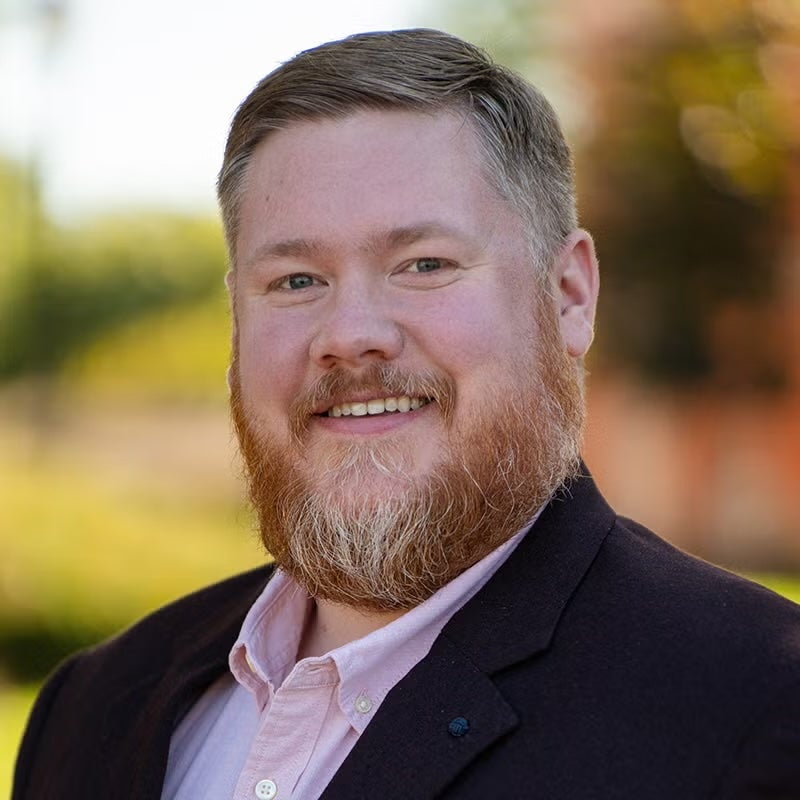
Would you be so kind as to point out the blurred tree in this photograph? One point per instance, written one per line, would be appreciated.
(79, 285)
(684, 184)
(20, 206)
(682, 160)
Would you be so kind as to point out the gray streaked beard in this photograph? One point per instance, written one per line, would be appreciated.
(394, 553)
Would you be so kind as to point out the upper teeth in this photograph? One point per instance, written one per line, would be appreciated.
(377, 406)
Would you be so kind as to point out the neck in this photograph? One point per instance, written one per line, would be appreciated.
(331, 625)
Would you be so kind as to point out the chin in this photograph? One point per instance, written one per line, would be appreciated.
(358, 470)
(364, 491)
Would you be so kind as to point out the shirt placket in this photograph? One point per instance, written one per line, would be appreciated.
(288, 733)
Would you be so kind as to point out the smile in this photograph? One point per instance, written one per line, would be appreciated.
(379, 405)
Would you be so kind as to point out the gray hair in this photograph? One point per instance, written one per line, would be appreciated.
(526, 157)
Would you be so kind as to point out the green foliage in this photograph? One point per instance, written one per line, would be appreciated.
(79, 285)
(178, 355)
(20, 213)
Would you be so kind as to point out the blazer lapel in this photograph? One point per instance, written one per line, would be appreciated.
(516, 614)
(409, 746)
(417, 742)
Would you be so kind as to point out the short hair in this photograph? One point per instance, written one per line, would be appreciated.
(526, 157)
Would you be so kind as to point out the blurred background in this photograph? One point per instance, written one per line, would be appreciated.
(118, 474)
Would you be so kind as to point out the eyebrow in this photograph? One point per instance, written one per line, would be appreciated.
(411, 234)
(382, 241)
(288, 248)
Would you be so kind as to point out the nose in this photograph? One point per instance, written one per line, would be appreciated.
(358, 328)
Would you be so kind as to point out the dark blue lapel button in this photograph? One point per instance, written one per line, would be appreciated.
(458, 726)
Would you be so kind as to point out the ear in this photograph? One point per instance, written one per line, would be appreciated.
(576, 281)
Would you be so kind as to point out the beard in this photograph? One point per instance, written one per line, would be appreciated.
(387, 553)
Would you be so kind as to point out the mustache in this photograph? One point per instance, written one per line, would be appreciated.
(385, 380)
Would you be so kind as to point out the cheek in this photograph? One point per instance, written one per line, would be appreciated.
(474, 334)
(271, 360)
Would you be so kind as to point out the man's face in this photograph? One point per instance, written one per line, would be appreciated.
(390, 329)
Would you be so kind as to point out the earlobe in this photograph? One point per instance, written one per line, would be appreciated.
(577, 282)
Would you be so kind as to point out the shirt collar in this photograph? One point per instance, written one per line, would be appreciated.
(263, 656)
(265, 652)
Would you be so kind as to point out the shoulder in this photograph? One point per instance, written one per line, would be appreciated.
(671, 608)
(661, 659)
(644, 592)
(667, 587)
(702, 650)
(206, 621)
(198, 629)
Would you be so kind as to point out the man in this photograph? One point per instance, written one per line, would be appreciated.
(455, 611)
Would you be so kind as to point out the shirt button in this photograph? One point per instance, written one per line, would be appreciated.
(266, 789)
(363, 704)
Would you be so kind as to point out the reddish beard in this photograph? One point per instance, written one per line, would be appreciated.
(394, 553)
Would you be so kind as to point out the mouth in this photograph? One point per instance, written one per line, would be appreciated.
(376, 406)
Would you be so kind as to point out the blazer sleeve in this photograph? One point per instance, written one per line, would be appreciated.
(30, 755)
(767, 765)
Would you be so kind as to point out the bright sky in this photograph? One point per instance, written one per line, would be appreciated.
(129, 105)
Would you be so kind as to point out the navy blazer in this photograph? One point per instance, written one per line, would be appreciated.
(599, 662)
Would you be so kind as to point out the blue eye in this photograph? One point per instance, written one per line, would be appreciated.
(298, 281)
(426, 265)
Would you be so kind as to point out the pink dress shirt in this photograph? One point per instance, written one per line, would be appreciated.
(277, 729)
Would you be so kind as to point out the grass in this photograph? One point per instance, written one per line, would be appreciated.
(786, 585)
(15, 704)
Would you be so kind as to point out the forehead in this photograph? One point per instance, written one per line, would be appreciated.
(371, 169)
(377, 137)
